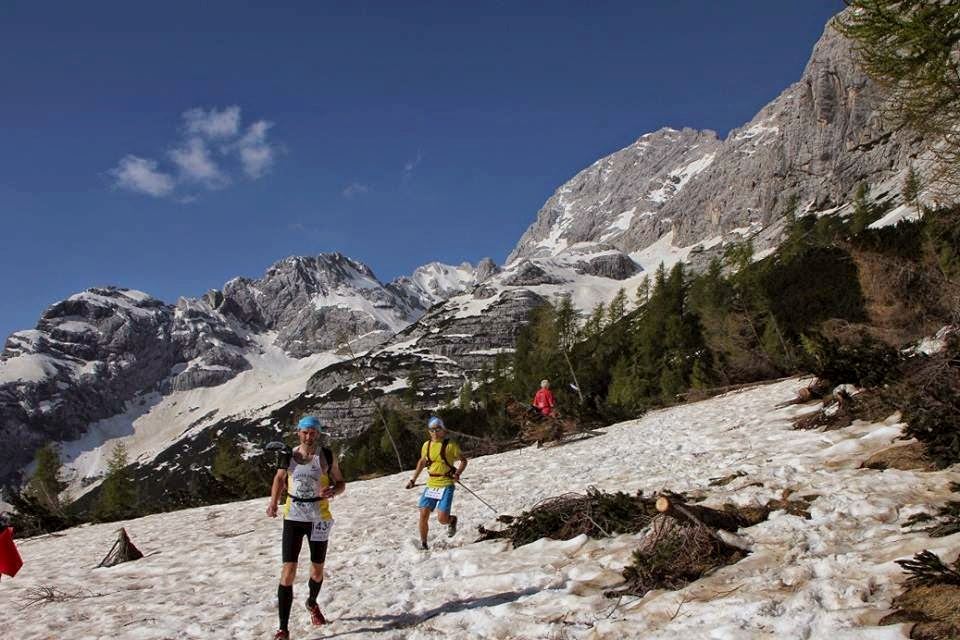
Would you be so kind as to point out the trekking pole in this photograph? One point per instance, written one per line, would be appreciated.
(474, 494)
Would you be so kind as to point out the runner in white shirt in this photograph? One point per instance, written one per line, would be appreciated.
(311, 477)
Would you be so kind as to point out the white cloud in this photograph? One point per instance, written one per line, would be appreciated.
(195, 164)
(412, 164)
(256, 154)
(141, 176)
(409, 166)
(354, 189)
(210, 153)
(213, 124)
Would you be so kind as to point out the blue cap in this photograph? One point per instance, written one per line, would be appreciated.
(309, 422)
(435, 423)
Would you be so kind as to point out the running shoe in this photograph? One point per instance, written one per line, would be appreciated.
(316, 617)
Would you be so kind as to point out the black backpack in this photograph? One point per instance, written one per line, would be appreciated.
(284, 457)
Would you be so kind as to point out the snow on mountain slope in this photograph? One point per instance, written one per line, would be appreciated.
(211, 572)
(110, 362)
(457, 339)
(435, 282)
(153, 421)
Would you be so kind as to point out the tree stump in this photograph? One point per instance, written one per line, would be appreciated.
(123, 550)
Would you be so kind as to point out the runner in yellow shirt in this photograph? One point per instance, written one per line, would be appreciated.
(437, 455)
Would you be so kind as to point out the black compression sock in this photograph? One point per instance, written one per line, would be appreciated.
(314, 590)
(285, 596)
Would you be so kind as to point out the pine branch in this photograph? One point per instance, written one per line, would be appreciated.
(927, 568)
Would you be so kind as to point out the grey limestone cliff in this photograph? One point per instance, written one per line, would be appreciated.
(815, 142)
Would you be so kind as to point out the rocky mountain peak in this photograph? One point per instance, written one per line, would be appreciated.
(604, 200)
(435, 282)
(816, 141)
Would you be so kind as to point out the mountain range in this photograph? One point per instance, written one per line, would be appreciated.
(323, 334)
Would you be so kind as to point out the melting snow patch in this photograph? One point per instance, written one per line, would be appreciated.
(903, 212)
(831, 576)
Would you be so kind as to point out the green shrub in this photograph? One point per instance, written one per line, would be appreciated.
(867, 363)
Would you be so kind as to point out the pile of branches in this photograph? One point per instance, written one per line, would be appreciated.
(534, 427)
(927, 568)
(673, 554)
(929, 598)
(685, 542)
(595, 513)
(123, 550)
(35, 596)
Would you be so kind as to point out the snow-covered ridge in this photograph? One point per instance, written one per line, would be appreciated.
(832, 576)
(435, 282)
(152, 422)
(104, 364)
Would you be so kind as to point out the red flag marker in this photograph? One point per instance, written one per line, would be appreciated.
(10, 560)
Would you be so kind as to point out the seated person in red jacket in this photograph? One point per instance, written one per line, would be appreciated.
(544, 400)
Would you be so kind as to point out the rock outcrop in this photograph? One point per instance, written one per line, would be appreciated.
(814, 143)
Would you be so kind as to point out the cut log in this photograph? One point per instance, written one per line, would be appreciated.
(698, 515)
(709, 519)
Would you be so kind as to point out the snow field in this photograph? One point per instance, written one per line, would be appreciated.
(830, 576)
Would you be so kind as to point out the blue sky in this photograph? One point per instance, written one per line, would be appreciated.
(169, 147)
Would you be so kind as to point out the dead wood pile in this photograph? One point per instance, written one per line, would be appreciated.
(595, 513)
(534, 427)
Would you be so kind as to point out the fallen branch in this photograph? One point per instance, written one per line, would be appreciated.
(234, 534)
(45, 595)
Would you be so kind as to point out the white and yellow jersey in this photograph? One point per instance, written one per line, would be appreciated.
(304, 482)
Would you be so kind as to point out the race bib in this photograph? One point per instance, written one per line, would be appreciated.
(434, 493)
(321, 530)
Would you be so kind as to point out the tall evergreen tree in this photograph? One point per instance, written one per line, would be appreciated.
(618, 307)
(861, 209)
(567, 320)
(118, 493)
(45, 485)
(643, 292)
(595, 322)
(911, 190)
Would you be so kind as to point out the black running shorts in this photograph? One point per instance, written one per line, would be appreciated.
(293, 532)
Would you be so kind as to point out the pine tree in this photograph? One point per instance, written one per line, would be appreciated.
(238, 476)
(465, 398)
(567, 320)
(739, 255)
(118, 493)
(910, 47)
(45, 485)
(618, 307)
(643, 291)
(861, 209)
(623, 390)
(790, 208)
(911, 190)
(595, 323)
(414, 386)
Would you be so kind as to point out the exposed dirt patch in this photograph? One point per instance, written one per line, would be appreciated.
(910, 456)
